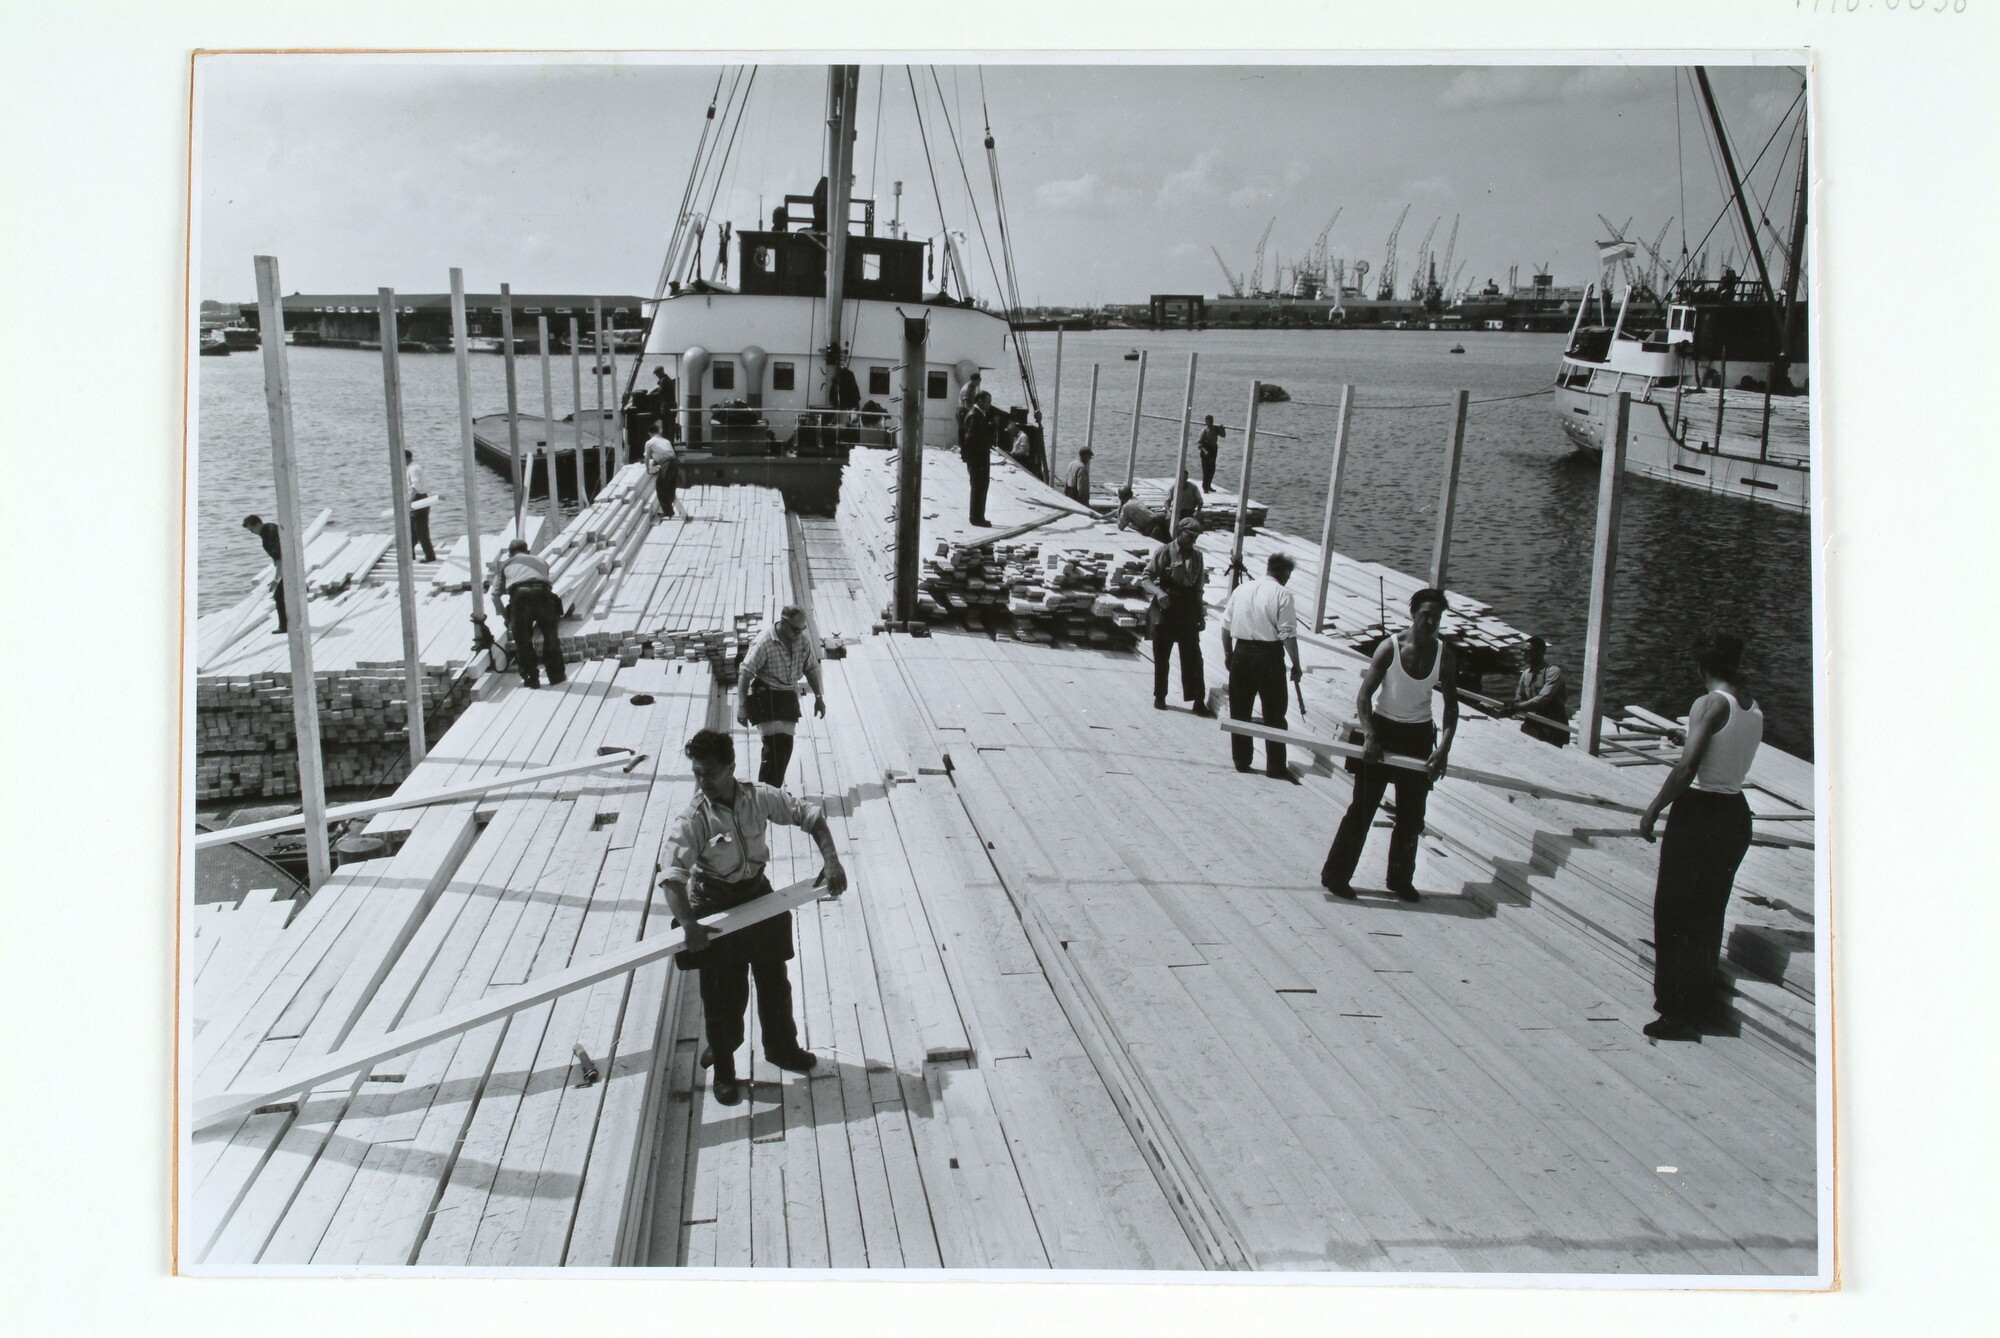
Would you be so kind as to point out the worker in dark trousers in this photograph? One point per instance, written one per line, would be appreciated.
(420, 516)
(1708, 833)
(1406, 669)
(767, 689)
(976, 438)
(1076, 483)
(1541, 692)
(1136, 515)
(532, 607)
(1259, 630)
(664, 464)
(267, 534)
(1209, 444)
(716, 859)
(1175, 578)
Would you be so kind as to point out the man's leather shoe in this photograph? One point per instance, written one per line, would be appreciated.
(798, 1061)
(1202, 709)
(1159, 703)
(1404, 892)
(1672, 1029)
(1341, 890)
(728, 1091)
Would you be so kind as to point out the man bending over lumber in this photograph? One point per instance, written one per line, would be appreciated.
(716, 859)
(1406, 669)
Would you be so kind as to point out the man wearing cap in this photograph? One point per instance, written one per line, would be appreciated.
(976, 436)
(1541, 692)
(1190, 501)
(1136, 515)
(1407, 668)
(1259, 629)
(767, 689)
(1175, 578)
(1076, 483)
(664, 464)
(1207, 444)
(716, 858)
(531, 607)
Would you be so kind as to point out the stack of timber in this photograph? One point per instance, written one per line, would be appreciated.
(1217, 510)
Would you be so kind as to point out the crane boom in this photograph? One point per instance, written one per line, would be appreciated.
(1235, 284)
(1386, 287)
(1255, 279)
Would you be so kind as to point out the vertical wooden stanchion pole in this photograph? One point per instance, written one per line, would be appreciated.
(548, 424)
(910, 468)
(292, 571)
(1721, 393)
(597, 377)
(513, 411)
(1050, 455)
(1138, 417)
(461, 353)
(1090, 413)
(576, 410)
(1448, 491)
(406, 585)
(1603, 569)
(1180, 464)
(1236, 572)
(1332, 506)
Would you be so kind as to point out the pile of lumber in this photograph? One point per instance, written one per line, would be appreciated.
(1217, 511)
(590, 557)
(244, 739)
(1045, 593)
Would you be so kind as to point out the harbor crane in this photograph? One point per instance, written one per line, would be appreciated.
(1235, 284)
(1386, 287)
(1254, 281)
(1451, 247)
(1422, 276)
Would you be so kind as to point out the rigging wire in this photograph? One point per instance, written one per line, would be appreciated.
(1680, 167)
(937, 192)
(985, 244)
(688, 190)
(1727, 214)
(875, 149)
(741, 106)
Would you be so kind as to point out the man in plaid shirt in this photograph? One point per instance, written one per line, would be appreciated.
(768, 689)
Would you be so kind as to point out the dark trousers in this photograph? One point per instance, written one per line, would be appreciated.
(531, 609)
(725, 998)
(420, 533)
(1207, 469)
(664, 484)
(1257, 669)
(1186, 634)
(1705, 839)
(777, 755)
(1371, 779)
(978, 468)
(279, 592)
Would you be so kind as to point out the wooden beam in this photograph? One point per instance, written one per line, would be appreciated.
(1243, 486)
(307, 1074)
(548, 422)
(1055, 418)
(597, 376)
(513, 407)
(1332, 506)
(1454, 450)
(1180, 465)
(1492, 778)
(1090, 413)
(396, 802)
(576, 411)
(399, 492)
(910, 467)
(292, 566)
(1138, 417)
(468, 459)
(1603, 572)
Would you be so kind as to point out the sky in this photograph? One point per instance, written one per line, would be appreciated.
(565, 173)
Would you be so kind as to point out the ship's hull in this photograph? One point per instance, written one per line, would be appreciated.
(1651, 449)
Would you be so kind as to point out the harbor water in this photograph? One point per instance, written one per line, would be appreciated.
(1521, 539)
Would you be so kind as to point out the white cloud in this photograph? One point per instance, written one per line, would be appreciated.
(1191, 183)
(1245, 196)
(1087, 194)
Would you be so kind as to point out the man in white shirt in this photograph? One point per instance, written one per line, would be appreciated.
(1259, 630)
(664, 464)
(420, 516)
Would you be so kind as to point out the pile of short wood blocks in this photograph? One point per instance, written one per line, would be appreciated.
(245, 744)
(722, 648)
(1082, 595)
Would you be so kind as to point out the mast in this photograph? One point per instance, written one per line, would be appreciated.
(1793, 253)
(1736, 187)
(842, 84)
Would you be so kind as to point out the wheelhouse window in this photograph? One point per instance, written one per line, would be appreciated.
(782, 374)
(725, 376)
(765, 259)
(871, 266)
(878, 380)
(937, 386)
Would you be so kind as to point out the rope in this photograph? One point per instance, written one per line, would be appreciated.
(1548, 389)
(937, 191)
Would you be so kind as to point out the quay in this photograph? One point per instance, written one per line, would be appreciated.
(1085, 1004)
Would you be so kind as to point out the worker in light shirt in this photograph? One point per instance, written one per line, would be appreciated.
(1259, 632)
(420, 516)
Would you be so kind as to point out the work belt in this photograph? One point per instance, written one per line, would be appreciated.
(534, 584)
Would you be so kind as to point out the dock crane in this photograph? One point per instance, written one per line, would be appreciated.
(1658, 273)
(1235, 284)
(1255, 278)
(1418, 281)
(1450, 247)
(1386, 286)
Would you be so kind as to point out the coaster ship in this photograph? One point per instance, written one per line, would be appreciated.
(802, 354)
(1688, 425)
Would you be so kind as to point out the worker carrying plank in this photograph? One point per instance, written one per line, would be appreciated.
(767, 689)
(716, 857)
(1259, 630)
(420, 516)
(531, 606)
(1406, 669)
(267, 534)
(1708, 833)
(1208, 444)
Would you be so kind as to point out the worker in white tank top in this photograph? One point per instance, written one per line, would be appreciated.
(1391, 689)
(1708, 832)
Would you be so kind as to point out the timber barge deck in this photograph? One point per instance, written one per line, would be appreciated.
(1085, 1005)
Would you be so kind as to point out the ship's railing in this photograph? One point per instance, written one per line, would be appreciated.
(737, 427)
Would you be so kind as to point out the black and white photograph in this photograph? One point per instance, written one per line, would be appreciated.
(1004, 666)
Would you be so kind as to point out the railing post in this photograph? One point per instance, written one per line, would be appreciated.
(1138, 417)
(1236, 572)
(1180, 464)
(1603, 571)
(292, 571)
(1332, 506)
(399, 490)
(513, 411)
(597, 376)
(1448, 491)
(1049, 455)
(576, 411)
(910, 468)
(548, 424)
(1090, 413)
(461, 354)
